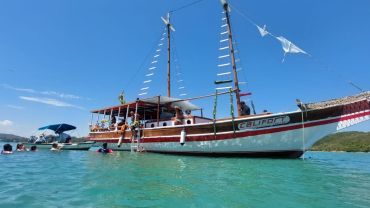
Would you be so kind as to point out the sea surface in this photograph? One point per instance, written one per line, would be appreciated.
(124, 179)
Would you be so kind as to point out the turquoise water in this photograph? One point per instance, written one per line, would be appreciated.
(123, 179)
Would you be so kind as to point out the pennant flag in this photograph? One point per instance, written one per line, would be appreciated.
(263, 30)
(289, 47)
(245, 94)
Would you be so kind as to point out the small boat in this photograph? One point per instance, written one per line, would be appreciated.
(158, 124)
(63, 140)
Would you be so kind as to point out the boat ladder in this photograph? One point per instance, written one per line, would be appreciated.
(135, 140)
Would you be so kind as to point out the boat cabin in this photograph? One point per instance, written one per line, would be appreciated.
(159, 111)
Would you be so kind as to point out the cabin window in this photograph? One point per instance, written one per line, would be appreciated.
(152, 125)
(188, 122)
(164, 124)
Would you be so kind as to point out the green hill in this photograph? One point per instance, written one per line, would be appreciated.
(15, 138)
(352, 141)
(11, 138)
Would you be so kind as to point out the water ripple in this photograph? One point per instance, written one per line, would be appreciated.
(122, 179)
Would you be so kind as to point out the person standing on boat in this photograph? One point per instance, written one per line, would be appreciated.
(135, 119)
(65, 138)
(179, 116)
(121, 98)
(245, 109)
(113, 122)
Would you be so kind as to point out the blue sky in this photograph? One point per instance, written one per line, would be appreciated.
(60, 59)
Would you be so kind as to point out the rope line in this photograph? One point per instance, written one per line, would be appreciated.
(323, 65)
(185, 6)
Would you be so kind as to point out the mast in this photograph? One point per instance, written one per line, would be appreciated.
(169, 28)
(225, 6)
(168, 57)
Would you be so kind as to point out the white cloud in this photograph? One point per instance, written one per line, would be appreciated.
(49, 101)
(18, 89)
(61, 95)
(49, 92)
(15, 107)
(6, 123)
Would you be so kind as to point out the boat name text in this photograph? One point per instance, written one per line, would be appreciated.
(264, 122)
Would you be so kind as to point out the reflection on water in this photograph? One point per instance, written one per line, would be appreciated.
(89, 179)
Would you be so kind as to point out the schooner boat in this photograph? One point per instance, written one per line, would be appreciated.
(159, 125)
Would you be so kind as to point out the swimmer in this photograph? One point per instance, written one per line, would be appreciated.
(20, 147)
(33, 148)
(104, 149)
(55, 147)
(7, 149)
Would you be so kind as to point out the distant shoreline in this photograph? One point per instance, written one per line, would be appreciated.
(19, 139)
(352, 141)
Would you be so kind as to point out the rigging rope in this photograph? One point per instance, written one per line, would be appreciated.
(323, 65)
(185, 6)
(180, 82)
(141, 66)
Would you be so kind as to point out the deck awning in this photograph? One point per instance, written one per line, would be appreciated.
(59, 128)
(150, 103)
(183, 104)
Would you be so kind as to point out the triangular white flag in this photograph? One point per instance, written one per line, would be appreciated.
(263, 30)
(289, 47)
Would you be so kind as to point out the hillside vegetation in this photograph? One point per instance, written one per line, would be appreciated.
(345, 141)
(11, 138)
(15, 138)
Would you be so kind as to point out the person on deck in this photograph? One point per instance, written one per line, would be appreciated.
(104, 149)
(121, 98)
(179, 116)
(68, 140)
(135, 119)
(7, 149)
(121, 122)
(113, 122)
(63, 137)
(245, 110)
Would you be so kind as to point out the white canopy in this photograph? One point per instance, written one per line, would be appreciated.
(183, 104)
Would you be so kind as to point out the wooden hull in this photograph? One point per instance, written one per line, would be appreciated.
(284, 135)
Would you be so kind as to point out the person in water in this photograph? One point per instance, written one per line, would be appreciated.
(55, 147)
(7, 149)
(105, 149)
(33, 148)
(21, 147)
